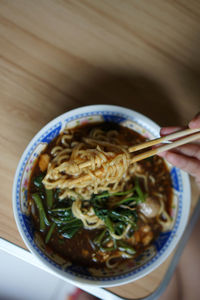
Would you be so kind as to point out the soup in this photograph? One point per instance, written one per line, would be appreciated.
(92, 206)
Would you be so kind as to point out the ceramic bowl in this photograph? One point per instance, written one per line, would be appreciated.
(154, 255)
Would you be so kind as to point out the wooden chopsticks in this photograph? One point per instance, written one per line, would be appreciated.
(194, 134)
(188, 134)
(169, 137)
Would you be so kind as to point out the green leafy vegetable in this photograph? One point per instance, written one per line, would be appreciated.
(42, 215)
(97, 241)
(37, 181)
(107, 249)
(122, 246)
(49, 197)
(62, 216)
(127, 200)
(44, 193)
(68, 230)
(64, 212)
(109, 224)
(56, 195)
(50, 232)
(140, 194)
(61, 221)
(117, 217)
(137, 197)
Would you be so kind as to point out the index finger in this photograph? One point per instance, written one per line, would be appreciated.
(171, 129)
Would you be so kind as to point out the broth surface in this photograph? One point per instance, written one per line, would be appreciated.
(80, 249)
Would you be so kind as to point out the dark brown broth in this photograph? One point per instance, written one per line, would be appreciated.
(79, 248)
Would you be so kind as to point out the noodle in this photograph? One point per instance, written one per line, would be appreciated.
(110, 196)
(89, 219)
(108, 164)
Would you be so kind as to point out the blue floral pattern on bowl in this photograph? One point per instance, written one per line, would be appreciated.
(128, 270)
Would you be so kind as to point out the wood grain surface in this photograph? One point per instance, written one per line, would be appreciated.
(57, 55)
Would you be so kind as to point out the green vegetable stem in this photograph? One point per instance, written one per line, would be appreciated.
(50, 232)
(49, 197)
(42, 215)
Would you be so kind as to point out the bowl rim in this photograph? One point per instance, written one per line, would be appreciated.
(114, 282)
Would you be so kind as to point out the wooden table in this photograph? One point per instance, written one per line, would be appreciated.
(57, 55)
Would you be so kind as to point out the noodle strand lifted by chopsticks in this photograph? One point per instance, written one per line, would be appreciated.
(109, 164)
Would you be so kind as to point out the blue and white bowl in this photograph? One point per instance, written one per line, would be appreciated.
(129, 271)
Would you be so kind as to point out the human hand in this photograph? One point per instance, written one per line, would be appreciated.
(186, 157)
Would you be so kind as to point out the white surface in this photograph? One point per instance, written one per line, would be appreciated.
(23, 277)
(20, 280)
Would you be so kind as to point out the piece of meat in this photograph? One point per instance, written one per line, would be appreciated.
(150, 208)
